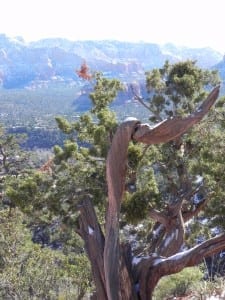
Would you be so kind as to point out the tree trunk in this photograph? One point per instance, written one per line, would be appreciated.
(116, 173)
(91, 233)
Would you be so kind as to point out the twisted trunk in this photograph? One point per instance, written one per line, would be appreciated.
(115, 277)
(116, 173)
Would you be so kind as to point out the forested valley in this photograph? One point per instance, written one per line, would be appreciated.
(113, 190)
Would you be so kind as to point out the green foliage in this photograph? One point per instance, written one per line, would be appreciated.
(209, 289)
(135, 207)
(185, 79)
(176, 88)
(157, 176)
(105, 91)
(194, 162)
(178, 285)
(12, 159)
(134, 156)
(29, 271)
(27, 191)
(78, 168)
(63, 125)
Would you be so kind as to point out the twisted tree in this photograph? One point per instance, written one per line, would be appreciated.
(162, 175)
(117, 273)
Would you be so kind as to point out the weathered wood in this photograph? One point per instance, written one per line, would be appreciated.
(115, 173)
(91, 233)
(127, 284)
(152, 269)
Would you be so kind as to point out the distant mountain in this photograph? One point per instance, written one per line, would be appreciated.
(205, 57)
(221, 67)
(51, 60)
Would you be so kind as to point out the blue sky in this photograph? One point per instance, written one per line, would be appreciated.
(191, 23)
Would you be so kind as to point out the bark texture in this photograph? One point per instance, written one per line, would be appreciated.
(115, 173)
(91, 233)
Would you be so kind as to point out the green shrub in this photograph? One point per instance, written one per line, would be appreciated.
(28, 271)
(178, 284)
(207, 289)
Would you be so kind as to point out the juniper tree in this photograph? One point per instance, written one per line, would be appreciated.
(12, 159)
(110, 174)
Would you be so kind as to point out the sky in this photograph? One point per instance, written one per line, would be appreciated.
(190, 23)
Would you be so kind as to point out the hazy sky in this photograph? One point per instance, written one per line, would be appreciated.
(192, 23)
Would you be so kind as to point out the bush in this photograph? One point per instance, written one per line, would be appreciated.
(210, 289)
(178, 284)
(28, 271)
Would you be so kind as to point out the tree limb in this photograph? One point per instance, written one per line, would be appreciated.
(90, 231)
(151, 269)
(170, 129)
(158, 216)
(193, 256)
(187, 215)
(115, 173)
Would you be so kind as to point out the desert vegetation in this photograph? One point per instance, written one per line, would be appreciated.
(121, 203)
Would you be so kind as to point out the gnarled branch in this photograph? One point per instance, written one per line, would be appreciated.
(116, 171)
(170, 129)
(151, 269)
